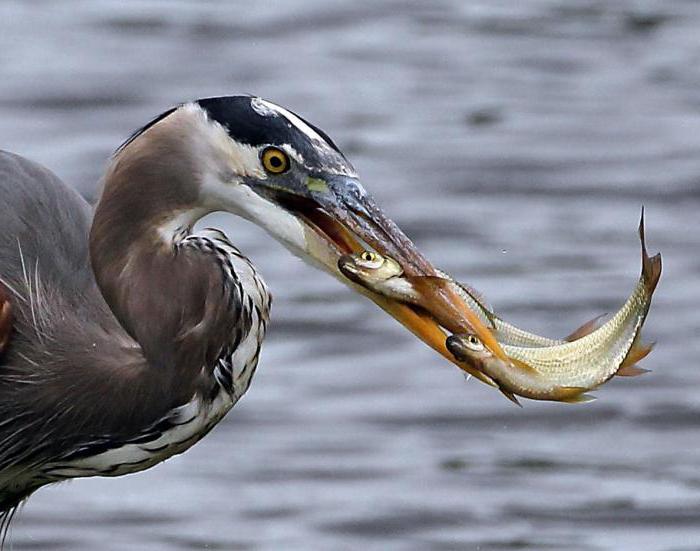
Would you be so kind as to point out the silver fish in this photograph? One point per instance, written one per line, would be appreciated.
(565, 371)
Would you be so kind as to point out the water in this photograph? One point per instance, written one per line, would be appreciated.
(515, 143)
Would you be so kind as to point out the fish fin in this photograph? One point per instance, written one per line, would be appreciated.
(651, 267)
(5, 318)
(586, 329)
(478, 296)
(571, 394)
(637, 352)
(512, 397)
(631, 371)
(579, 399)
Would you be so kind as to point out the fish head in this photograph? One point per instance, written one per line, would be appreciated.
(468, 348)
(369, 267)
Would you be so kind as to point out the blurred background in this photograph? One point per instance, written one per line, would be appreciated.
(515, 142)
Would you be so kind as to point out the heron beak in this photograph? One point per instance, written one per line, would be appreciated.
(349, 220)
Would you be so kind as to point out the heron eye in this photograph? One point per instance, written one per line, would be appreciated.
(275, 160)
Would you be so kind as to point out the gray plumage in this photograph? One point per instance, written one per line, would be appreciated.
(45, 269)
(73, 382)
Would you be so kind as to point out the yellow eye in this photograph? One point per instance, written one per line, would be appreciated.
(275, 160)
(368, 256)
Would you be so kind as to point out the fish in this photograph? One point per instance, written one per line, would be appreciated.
(384, 275)
(565, 372)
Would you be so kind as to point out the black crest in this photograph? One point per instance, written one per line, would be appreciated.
(246, 124)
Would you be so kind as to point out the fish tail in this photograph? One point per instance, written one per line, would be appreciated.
(651, 267)
(586, 329)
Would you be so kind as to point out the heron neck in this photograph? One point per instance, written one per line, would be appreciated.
(150, 202)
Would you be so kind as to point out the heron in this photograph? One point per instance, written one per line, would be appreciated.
(125, 334)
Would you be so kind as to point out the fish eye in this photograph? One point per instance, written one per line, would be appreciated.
(473, 343)
(368, 256)
(371, 260)
(274, 160)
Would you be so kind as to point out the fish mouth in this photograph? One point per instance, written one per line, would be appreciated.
(343, 220)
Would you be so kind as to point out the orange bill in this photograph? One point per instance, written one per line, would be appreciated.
(451, 312)
(424, 327)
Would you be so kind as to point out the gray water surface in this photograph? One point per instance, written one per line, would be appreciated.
(515, 142)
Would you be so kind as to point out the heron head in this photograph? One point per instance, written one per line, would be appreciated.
(282, 168)
(270, 166)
